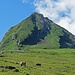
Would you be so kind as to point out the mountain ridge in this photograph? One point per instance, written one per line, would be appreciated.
(37, 31)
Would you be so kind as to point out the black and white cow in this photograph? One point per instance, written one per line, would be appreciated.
(23, 64)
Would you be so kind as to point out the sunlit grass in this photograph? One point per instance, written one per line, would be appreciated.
(53, 62)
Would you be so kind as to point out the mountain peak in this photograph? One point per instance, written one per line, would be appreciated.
(39, 16)
(37, 31)
(36, 14)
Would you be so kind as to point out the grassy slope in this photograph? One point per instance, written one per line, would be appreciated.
(38, 32)
(22, 30)
(54, 62)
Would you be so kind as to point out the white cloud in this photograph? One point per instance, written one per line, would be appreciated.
(61, 12)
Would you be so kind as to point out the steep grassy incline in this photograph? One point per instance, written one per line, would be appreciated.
(37, 31)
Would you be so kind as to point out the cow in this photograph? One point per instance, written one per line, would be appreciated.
(1, 66)
(10, 67)
(38, 64)
(23, 64)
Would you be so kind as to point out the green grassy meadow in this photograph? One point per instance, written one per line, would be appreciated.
(53, 62)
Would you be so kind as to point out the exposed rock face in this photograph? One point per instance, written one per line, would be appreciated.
(37, 31)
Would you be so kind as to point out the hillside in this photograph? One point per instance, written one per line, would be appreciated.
(53, 62)
(37, 31)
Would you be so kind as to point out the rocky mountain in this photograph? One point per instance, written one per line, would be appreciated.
(37, 31)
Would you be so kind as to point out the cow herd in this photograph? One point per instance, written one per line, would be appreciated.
(21, 64)
(24, 64)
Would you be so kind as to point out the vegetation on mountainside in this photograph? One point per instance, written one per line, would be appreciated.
(53, 62)
(37, 32)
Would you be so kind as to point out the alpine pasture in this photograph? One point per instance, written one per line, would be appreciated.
(51, 62)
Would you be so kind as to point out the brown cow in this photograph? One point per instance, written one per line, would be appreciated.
(38, 64)
(10, 67)
(1, 66)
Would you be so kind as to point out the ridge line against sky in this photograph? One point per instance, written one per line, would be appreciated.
(59, 11)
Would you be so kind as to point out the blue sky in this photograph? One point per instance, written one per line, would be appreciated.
(13, 12)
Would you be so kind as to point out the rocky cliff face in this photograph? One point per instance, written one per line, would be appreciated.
(37, 31)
